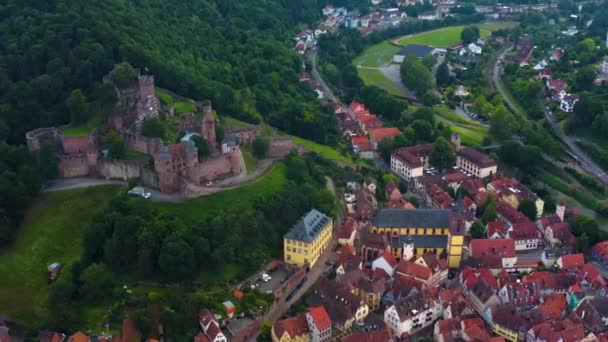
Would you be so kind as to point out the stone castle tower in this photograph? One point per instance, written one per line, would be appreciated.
(208, 126)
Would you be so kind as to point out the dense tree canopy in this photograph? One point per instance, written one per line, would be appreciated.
(442, 155)
(416, 76)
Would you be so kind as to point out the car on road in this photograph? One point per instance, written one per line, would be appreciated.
(139, 191)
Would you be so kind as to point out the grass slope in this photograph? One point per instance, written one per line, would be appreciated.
(326, 151)
(377, 78)
(52, 232)
(376, 55)
(83, 130)
(273, 180)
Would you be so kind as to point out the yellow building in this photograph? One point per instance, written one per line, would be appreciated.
(413, 232)
(307, 239)
(505, 332)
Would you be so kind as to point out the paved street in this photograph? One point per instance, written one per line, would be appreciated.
(586, 162)
(312, 57)
(79, 182)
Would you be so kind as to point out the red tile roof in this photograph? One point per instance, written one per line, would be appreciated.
(601, 248)
(362, 142)
(347, 227)
(496, 227)
(374, 336)
(503, 248)
(557, 85)
(294, 326)
(390, 259)
(412, 269)
(380, 134)
(524, 231)
(411, 155)
(320, 317)
(357, 108)
(476, 157)
(471, 276)
(572, 260)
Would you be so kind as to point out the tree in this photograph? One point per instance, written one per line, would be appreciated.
(385, 148)
(443, 75)
(77, 106)
(48, 162)
(124, 75)
(176, 259)
(469, 34)
(584, 78)
(489, 210)
(423, 130)
(502, 123)
(153, 128)
(415, 75)
(442, 155)
(98, 283)
(266, 331)
(528, 208)
(429, 61)
(202, 146)
(430, 99)
(478, 230)
(115, 145)
(260, 147)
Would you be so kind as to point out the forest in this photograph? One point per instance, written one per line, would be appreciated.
(235, 53)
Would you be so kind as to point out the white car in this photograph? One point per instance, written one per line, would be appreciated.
(147, 195)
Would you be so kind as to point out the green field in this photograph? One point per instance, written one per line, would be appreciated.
(376, 77)
(52, 231)
(471, 132)
(441, 38)
(376, 55)
(273, 180)
(251, 162)
(83, 130)
(326, 151)
(164, 97)
(184, 107)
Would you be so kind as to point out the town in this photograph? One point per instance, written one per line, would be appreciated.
(464, 197)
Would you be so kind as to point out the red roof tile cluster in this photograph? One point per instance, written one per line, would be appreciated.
(561, 232)
(411, 156)
(372, 336)
(347, 227)
(551, 281)
(294, 326)
(439, 198)
(601, 248)
(380, 134)
(320, 317)
(524, 231)
(476, 157)
(454, 177)
(511, 214)
(557, 85)
(369, 122)
(470, 276)
(554, 305)
(558, 331)
(503, 248)
(414, 270)
(497, 227)
(523, 294)
(357, 108)
(571, 260)
(363, 143)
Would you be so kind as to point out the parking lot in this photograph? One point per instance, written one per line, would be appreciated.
(277, 276)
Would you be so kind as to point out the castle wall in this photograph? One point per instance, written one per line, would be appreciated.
(140, 143)
(215, 168)
(246, 135)
(119, 169)
(73, 166)
(36, 138)
(280, 147)
(149, 178)
(76, 145)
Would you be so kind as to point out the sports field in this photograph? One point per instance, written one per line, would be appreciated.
(441, 38)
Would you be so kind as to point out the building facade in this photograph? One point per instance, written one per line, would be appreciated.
(307, 239)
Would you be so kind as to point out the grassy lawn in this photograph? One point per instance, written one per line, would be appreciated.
(251, 162)
(376, 55)
(52, 232)
(441, 38)
(83, 130)
(448, 114)
(184, 107)
(377, 78)
(498, 26)
(164, 97)
(325, 151)
(230, 122)
(273, 180)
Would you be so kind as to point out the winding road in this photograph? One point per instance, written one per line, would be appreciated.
(585, 162)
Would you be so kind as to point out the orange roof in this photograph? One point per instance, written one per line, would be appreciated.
(412, 269)
(346, 249)
(390, 259)
(238, 294)
(572, 260)
(504, 248)
(79, 336)
(294, 326)
(320, 317)
(380, 134)
(367, 118)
